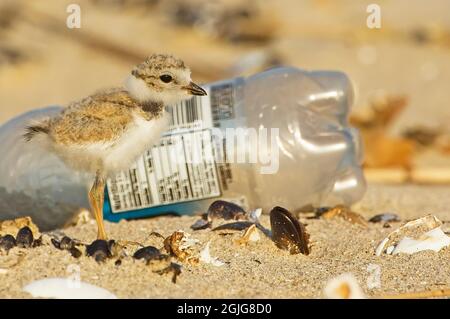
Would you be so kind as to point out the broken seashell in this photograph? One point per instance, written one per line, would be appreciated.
(435, 239)
(255, 215)
(13, 226)
(251, 234)
(66, 288)
(81, 217)
(180, 244)
(205, 256)
(390, 249)
(420, 225)
(345, 213)
(344, 286)
(225, 210)
(287, 232)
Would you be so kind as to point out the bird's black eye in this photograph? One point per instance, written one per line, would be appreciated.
(166, 78)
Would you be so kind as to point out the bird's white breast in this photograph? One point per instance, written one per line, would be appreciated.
(113, 156)
(139, 137)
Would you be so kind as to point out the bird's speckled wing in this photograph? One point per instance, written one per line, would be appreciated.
(101, 117)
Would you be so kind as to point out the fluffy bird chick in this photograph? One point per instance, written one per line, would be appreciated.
(105, 132)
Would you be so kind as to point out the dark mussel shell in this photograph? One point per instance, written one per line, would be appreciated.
(149, 253)
(225, 210)
(287, 232)
(319, 211)
(66, 243)
(7, 242)
(99, 249)
(37, 242)
(200, 224)
(422, 135)
(24, 237)
(55, 243)
(75, 252)
(174, 268)
(387, 217)
(234, 226)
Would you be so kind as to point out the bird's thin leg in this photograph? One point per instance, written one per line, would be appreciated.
(96, 197)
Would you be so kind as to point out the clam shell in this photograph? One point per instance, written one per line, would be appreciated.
(434, 239)
(65, 288)
(426, 223)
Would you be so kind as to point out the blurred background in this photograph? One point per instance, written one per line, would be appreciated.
(401, 71)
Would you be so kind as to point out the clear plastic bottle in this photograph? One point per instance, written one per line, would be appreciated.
(309, 155)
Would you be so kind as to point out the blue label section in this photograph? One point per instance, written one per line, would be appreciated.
(185, 208)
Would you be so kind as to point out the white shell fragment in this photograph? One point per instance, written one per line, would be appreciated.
(187, 241)
(251, 234)
(66, 288)
(344, 286)
(255, 215)
(205, 256)
(435, 239)
(254, 234)
(424, 224)
(390, 249)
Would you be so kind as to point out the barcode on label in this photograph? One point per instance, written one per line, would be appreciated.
(181, 168)
(194, 113)
(222, 102)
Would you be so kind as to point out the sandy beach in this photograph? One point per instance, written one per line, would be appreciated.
(259, 269)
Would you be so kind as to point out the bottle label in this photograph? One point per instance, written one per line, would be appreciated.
(182, 167)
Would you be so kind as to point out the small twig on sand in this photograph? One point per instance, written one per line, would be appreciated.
(419, 294)
(425, 176)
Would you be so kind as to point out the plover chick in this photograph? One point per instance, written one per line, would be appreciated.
(104, 133)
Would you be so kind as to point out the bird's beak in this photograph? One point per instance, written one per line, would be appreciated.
(194, 89)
